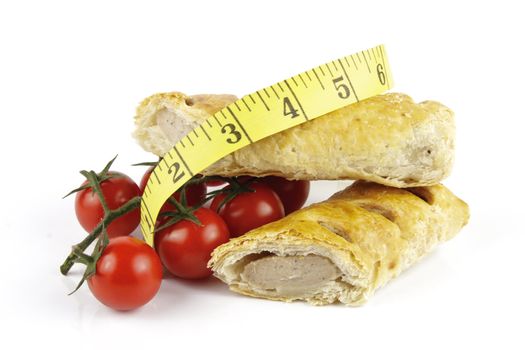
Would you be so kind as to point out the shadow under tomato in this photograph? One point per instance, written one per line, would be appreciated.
(208, 285)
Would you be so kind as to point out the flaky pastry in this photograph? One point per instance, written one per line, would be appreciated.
(387, 139)
(342, 249)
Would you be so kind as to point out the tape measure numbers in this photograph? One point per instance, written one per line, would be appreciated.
(288, 103)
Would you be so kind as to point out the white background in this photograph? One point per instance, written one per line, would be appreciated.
(72, 73)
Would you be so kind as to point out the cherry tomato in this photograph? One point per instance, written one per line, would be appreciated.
(185, 247)
(128, 274)
(249, 210)
(117, 191)
(194, 193)
(215, 183)
(293, 193)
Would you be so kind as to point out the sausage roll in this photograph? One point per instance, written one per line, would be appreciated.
(388, 139)
(342, 249)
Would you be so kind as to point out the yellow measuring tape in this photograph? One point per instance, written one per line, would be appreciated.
(288, 103)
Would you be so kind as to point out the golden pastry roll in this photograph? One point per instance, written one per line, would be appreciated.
(388, 139)
(342, 249)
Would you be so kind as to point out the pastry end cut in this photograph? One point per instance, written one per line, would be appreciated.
(164, 119)
(307, 276)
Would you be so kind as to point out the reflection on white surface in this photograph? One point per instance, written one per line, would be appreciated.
(321, 190)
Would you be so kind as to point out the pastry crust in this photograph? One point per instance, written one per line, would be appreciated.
(370, 232)
(387, 139)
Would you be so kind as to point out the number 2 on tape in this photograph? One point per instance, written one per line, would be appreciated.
(288, 103)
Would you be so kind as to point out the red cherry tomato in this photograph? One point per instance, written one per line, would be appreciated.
(185, 247)
(249, 210)
(194, 193)
(128, 274)
(293, 193)
(117, 191)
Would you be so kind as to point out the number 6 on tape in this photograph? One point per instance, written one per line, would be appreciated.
(288, 103)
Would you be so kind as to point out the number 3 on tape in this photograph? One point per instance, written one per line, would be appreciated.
(283, 105)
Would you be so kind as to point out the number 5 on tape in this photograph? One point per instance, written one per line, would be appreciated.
(283, 105)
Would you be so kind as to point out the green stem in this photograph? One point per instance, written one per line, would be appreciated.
(109, 217)
(82, 257)
(94, 181)
(179, 206)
